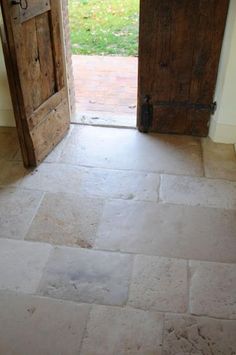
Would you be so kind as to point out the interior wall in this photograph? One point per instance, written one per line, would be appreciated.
(223, 123)
(6, 111)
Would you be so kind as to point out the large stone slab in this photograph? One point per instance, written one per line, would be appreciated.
(122, 331)
(66, 219)
(198, 335)
(92, 182)
(193, 191)
(11, 173)
(40, 326)
(120, 184)
(87, 276)
(213, 289)
(159, 284)
(130, 150)
(17, 209)
(54, 177)
(168, 230)
(219, 160)
(22, 264)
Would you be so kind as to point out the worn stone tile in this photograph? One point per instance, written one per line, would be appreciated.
(66, 219)
(159, 284)
(118, 184)
(40, 326)
(219, 160)
(11, 173)
(9, 143)
(168, 230)
(17, 157)
(22, 264)
(122, 331)
(89, 182)
(213, 289)
(17, 209)
(108, 119)
(54, 156)
(128, 149)
(55, 178)
(196, 191)
(198, 335)
(87, 276)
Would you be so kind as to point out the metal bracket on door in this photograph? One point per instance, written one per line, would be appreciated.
(146, 114)
(188, 105)
(23, 3)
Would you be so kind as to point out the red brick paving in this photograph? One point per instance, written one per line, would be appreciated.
(105, 84)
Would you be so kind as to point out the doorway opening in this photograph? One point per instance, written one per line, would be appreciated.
(104, 45)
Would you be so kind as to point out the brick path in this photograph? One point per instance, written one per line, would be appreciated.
(105, 90)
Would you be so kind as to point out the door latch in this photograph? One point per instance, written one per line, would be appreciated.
(23, 3)
(146, 114)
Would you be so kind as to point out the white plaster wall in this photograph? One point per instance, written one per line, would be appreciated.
(223, 123)
(6, 112)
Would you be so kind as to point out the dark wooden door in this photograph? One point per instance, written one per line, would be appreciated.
(32, 43)
(179, 52)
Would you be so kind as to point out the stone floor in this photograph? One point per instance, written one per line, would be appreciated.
(105, 90)
(119, 243)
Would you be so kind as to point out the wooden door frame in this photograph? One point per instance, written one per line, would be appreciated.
(68, 54)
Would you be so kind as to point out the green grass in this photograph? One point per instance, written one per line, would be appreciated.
(104, 27)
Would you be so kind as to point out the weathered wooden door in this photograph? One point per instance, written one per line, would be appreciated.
(33, 47)
(179, 51)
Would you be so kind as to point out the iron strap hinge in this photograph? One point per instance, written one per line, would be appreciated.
(185, 104)
(146, 114)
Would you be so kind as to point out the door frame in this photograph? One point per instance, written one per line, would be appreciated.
(64, 22)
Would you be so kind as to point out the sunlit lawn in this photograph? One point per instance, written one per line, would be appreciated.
(104, 27)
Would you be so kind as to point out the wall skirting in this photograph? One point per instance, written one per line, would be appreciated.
(7, 118)
(222, 133)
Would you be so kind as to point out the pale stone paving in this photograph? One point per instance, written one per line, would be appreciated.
(119, 243)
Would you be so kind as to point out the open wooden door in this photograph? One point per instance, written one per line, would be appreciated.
(179, 52)
(34, 53)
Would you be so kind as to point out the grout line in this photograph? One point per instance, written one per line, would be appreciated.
(119, 252)
(165, 313)
(188, 286)
(35, 212)
(131, 278)
(103, 126)
(37, 291)
(159, 188)
(169, 203)
(85, 328)
(160, 172)
(107, 198)
(202, 158)
(163, 333)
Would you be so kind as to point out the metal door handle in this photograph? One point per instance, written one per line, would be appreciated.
(23, 3)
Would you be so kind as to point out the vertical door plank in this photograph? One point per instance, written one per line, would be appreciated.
(55, 16)
(28, 62)
(45, 57)
(180, 44)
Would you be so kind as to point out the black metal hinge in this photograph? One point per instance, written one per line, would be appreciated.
(146, 114)
(184, 104)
